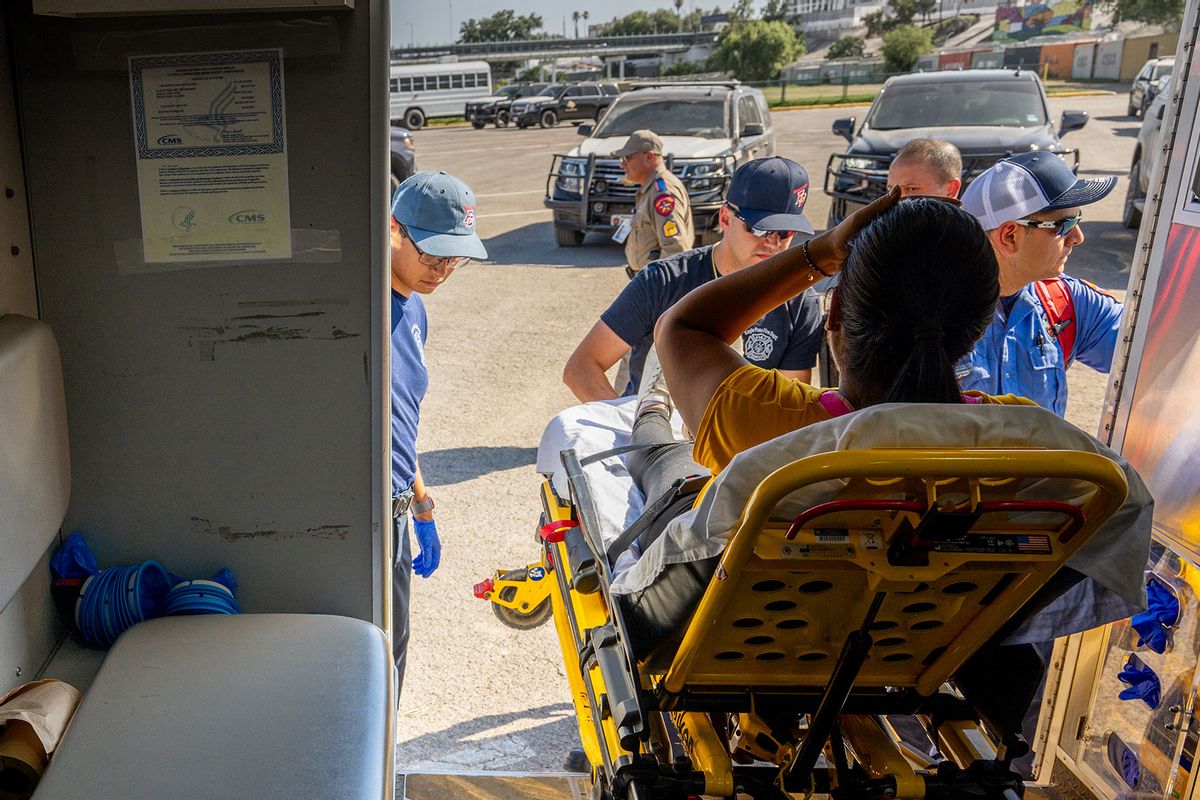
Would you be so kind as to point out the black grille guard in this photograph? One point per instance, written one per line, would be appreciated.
(862, 184)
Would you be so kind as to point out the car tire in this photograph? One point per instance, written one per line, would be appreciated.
(1130, 216)
(568, 237)
(522, 125)
(501, 120)
(414, 119)
(1131, 110)
(400, 172)
(548, 119)
(477, 124)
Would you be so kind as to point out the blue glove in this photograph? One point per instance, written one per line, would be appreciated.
(1143, 684)
(431, 548)
(1161, 615)
(74, 559)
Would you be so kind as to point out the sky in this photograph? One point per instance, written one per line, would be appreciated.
(429, 22)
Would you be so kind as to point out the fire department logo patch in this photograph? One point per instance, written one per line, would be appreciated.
(670, 228)
(664, 204)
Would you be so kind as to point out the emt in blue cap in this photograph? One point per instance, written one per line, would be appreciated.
(1031, 206)
(763, 210)
(432, 233)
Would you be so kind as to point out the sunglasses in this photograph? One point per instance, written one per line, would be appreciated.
(450, 262)
(758, 233)
(1061, 227)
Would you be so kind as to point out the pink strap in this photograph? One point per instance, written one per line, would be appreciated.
(836, 406)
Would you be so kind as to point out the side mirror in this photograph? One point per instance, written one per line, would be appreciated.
(1162, 109)
(844, 127)
(753, 129)
(585, 130)
(1072, 121)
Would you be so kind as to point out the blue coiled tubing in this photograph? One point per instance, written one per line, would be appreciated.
(115, 599)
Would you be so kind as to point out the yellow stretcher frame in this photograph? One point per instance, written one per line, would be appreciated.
(624, 737)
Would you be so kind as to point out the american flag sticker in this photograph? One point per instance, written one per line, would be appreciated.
(1037, 543)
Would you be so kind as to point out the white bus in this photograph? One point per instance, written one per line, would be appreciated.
(424, 91)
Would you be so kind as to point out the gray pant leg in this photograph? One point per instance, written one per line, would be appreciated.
(655, 468)
(401, 584)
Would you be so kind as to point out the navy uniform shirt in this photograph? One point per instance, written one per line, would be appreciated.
(788, 337)
(410, 379)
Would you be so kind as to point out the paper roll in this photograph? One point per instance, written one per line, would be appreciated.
(22, 759)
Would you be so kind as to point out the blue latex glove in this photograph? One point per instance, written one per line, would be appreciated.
(1143, 685)
(1150, 631)
(431, 548)
(1162, 604)
(1161, 614)
(74, 559)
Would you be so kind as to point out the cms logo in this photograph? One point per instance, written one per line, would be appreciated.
(170, 140)
(247, 217)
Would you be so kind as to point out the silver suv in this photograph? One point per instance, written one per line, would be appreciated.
(708, 131)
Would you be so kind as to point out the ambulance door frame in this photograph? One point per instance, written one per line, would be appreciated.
(1075, 669)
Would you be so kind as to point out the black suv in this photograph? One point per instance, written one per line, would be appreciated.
(495, 108)
(989, 114)
(564, 101)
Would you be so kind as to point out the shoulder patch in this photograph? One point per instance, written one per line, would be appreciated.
(664, 204)
(670, 228)
(661, 184)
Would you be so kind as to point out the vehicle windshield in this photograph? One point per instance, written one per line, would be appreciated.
(1006, 103)
(1163, 69)
(551, 90)
(704, 117)
(513, 91)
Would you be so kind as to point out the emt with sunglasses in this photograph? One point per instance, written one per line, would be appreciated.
(1031, 205)
(763, 210)
(432, 233)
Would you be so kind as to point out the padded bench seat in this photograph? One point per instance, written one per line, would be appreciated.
(246, 706)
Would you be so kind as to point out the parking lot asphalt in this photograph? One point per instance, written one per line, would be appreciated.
(479, 696)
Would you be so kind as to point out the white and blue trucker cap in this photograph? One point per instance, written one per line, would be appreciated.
(438, 210)
(1025, 184)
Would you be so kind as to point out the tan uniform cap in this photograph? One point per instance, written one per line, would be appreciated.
(644, 141)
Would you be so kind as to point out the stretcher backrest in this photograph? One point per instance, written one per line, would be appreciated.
(956, 541)
(35, 469)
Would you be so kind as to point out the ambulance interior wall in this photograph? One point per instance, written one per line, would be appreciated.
(28, 631)
(224, 415)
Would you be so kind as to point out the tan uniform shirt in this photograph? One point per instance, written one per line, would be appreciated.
(662, 220)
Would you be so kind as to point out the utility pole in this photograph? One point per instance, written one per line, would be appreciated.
(450, 17)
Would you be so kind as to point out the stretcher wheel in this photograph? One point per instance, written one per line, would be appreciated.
(514, 618)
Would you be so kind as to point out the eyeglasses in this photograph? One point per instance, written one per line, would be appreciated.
(758, 233)
(1061, 227)
(449, 262)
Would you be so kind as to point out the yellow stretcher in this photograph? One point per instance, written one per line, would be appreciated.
(861, 606)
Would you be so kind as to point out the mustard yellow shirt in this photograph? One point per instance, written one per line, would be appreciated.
(754, 405)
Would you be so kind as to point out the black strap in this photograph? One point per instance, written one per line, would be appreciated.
(616, 451)
(681, 493)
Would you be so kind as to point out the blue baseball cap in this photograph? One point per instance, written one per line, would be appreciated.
(438, 210)
(1025, 184)
(770, 193)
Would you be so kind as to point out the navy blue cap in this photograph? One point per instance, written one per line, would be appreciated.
(438, 210)
(770, 193)
(1060, 184)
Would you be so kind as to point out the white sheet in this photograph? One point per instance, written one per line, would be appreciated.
(1113, 559)
(593, 428)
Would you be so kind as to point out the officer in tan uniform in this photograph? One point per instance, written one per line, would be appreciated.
(662, 215)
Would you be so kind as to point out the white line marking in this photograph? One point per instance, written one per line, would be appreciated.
(512, 213)
(510, 194)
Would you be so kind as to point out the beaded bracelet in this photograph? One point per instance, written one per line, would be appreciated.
(808, 258)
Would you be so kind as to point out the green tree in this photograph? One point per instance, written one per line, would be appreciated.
(776, 10)
(903, 45)
(644, 22)
(1155, 12)
(742, 13)
(877, 23)
(903, 11)
(846, 47)
(758, 50)
(503, 26)
(685, 68)
(925, 8)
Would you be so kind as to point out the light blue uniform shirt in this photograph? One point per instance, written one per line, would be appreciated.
(1020, 356)
(410, 379)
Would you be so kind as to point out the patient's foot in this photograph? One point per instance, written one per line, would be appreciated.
(652, 393)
